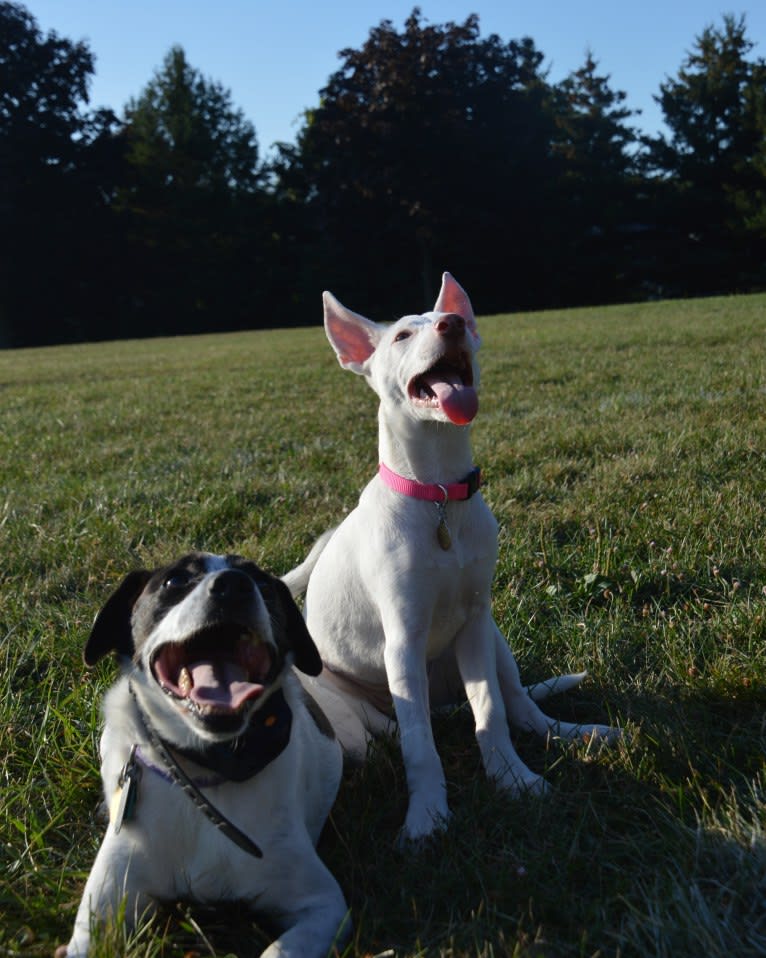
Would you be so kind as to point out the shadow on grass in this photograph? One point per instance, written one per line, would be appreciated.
(636, 850)
(620, 836)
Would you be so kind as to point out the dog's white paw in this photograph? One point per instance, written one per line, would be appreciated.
(521, 781)
(421, 823)
(596, 735)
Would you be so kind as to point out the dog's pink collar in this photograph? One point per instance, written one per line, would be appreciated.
(432, 492)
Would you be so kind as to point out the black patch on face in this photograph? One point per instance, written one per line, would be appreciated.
(288, 625)
(166, 588)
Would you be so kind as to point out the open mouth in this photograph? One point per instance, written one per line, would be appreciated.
(216, 672)
(447, 385)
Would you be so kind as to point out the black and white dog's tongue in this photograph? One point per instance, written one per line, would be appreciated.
(223, 684)
(459, 402)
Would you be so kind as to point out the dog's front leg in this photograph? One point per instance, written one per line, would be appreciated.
(110, 892)
(317, 917)
(405, 661)
(476, 661)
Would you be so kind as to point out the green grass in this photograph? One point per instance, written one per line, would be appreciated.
(624, 452)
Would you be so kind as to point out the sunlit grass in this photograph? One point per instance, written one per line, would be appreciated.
(624, 453)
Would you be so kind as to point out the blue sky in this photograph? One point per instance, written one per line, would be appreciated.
(275, 55)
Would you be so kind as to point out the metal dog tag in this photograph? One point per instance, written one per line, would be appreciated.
(442, 530)
(443, 535)
(123, 807)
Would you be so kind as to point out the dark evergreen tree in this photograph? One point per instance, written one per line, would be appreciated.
(192, 205)
(715, 159)
(600, 183)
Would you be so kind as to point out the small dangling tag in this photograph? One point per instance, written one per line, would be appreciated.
(123, 805)
(443, 535)
(442, 530)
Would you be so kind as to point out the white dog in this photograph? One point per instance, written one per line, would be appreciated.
(218, 771)
(398, 596)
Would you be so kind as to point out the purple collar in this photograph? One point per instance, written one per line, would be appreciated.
(209, 782)
(432, 492)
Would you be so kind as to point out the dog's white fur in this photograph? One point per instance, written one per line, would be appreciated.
(392, 611)
(170, 851)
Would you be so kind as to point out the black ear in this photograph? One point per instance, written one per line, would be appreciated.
(111, 631)
(306, 654)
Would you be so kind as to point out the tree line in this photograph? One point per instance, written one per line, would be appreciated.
(431, 147)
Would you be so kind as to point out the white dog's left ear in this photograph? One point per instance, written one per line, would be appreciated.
(453, 298)
(353, 337)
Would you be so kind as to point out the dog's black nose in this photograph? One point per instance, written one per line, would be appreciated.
(450, 325)
(231, 584)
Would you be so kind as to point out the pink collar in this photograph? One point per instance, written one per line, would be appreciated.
(434, 492)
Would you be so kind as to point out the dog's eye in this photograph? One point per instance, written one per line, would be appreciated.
(401, 335)
(176, 580)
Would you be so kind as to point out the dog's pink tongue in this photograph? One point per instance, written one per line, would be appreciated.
(223, 684)
(459, 402)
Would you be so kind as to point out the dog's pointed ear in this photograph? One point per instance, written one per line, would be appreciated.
(453, 298)
(353, 337)
(111, 630)
(305, 654)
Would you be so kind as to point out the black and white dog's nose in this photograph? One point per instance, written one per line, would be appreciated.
(231, 584)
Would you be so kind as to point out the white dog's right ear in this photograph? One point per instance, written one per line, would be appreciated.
(353, 337)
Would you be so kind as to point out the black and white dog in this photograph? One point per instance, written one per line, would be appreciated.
(218, 770)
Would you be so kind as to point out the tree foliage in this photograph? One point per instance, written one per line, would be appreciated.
(715, 157)
(430, 147)
(184, 133)
(426, 144)
(56, 167)
(598, 175)
(43, 82)
(715, 107)
(189, 203)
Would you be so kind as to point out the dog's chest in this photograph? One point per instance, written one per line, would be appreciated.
(450, 601)
(184, 855)
(179, 852)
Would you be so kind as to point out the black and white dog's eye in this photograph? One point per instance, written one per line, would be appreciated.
(401, 335)
(177, 580)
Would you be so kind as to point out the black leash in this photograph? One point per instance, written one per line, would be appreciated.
(179, 776)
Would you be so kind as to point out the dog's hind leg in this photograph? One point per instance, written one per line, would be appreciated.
(554, 685)
(475, 656)
(447, 686)
(522, 709)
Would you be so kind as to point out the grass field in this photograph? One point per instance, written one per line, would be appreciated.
(624, 453)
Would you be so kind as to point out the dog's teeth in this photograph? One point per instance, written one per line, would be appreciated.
(185, 683)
